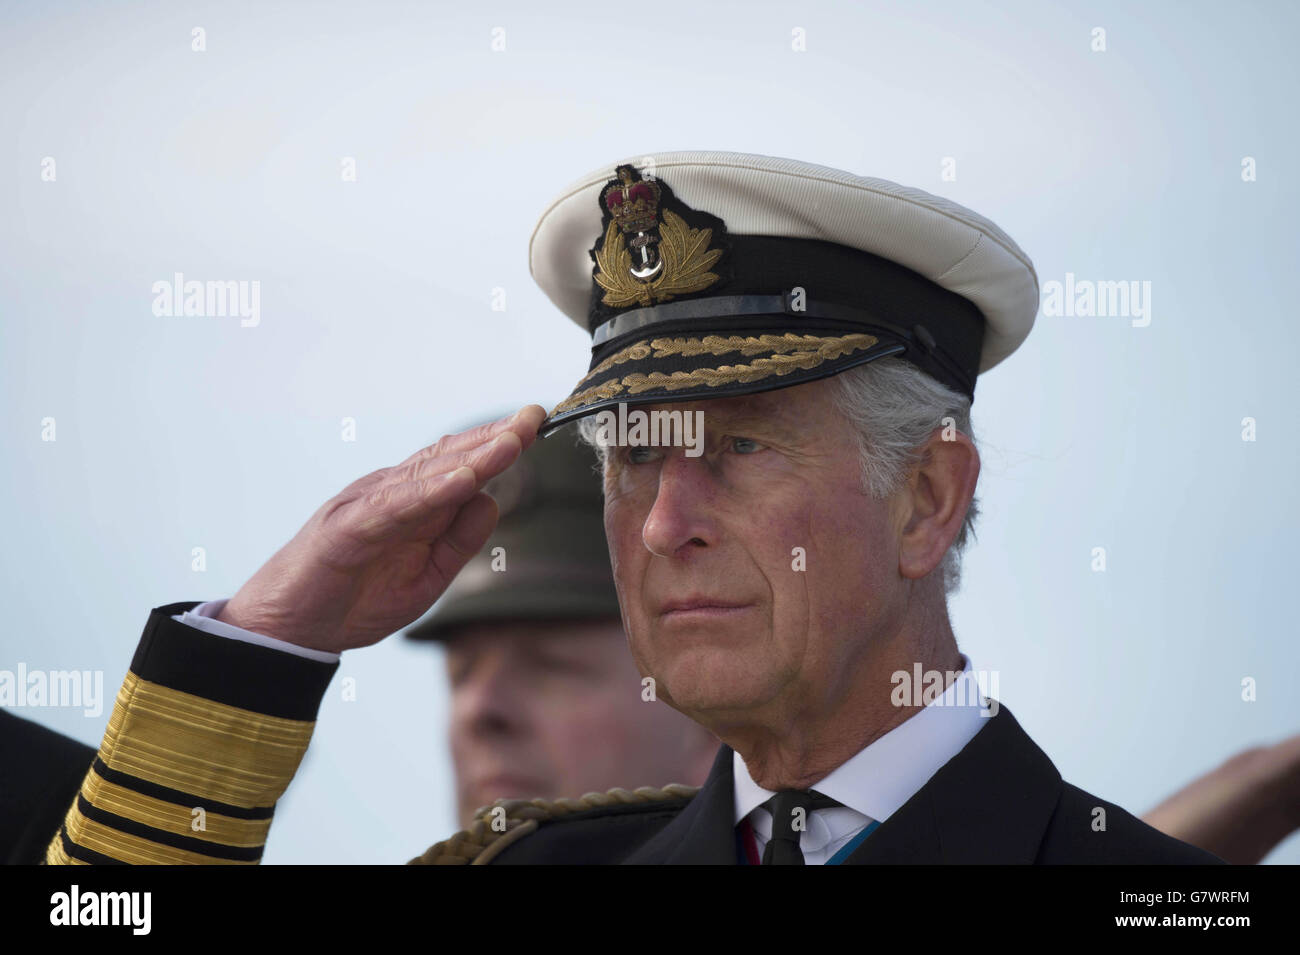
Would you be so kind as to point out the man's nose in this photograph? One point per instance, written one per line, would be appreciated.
(684, 509)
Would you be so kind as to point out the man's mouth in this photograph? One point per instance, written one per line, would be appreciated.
(701, 608)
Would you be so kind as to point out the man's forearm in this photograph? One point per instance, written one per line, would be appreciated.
(205, 736)
(1241, 809)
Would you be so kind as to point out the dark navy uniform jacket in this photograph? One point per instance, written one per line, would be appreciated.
(999, 800)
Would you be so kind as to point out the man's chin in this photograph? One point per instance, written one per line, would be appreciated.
(705, 695)
(505, 788)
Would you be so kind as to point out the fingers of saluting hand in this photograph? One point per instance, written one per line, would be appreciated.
(487, 459)
(450, 452)
(421, 498)
(454, 450)
(397, 509)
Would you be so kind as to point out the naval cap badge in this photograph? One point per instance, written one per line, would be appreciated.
(650, 252)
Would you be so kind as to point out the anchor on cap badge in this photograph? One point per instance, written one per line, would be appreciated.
(660, 260)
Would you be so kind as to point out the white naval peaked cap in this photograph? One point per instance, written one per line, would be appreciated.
(953, 248)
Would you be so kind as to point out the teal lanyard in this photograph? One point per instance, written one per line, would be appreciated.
(853, 843)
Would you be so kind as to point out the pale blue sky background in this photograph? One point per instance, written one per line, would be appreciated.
(174, 433)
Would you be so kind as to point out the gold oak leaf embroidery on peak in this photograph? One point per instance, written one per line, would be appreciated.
(812, 351)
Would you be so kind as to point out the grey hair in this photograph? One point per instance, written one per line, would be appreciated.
(893, 407)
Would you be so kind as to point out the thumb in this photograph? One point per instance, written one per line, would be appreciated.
(464, 538)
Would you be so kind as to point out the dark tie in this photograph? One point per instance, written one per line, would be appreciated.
(788, 823)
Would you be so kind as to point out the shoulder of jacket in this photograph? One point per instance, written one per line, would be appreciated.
(1093, 830)
(506, 821)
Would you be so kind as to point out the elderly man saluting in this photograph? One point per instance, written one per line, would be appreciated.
(775, 578)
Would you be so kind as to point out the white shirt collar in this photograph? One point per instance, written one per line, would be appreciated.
(882, 777)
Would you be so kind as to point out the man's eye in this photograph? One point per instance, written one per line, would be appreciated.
(637, 455)
(745, 445)
(559, 664)
(457, 671)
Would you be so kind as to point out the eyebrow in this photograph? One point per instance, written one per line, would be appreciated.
(749, 419)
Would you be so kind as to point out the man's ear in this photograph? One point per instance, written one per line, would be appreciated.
(934, 501)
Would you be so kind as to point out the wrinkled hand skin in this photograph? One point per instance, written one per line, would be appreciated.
(376, 556)
(1240, 810)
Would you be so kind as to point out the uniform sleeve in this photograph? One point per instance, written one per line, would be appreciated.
(205, 736)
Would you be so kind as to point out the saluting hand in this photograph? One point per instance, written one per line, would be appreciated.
(376, 556)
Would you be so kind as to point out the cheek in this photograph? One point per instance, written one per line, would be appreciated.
(628, 555)
(785, 536)
(618, 519)
(851, 579)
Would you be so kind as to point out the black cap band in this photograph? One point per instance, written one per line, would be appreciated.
(776, 281)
